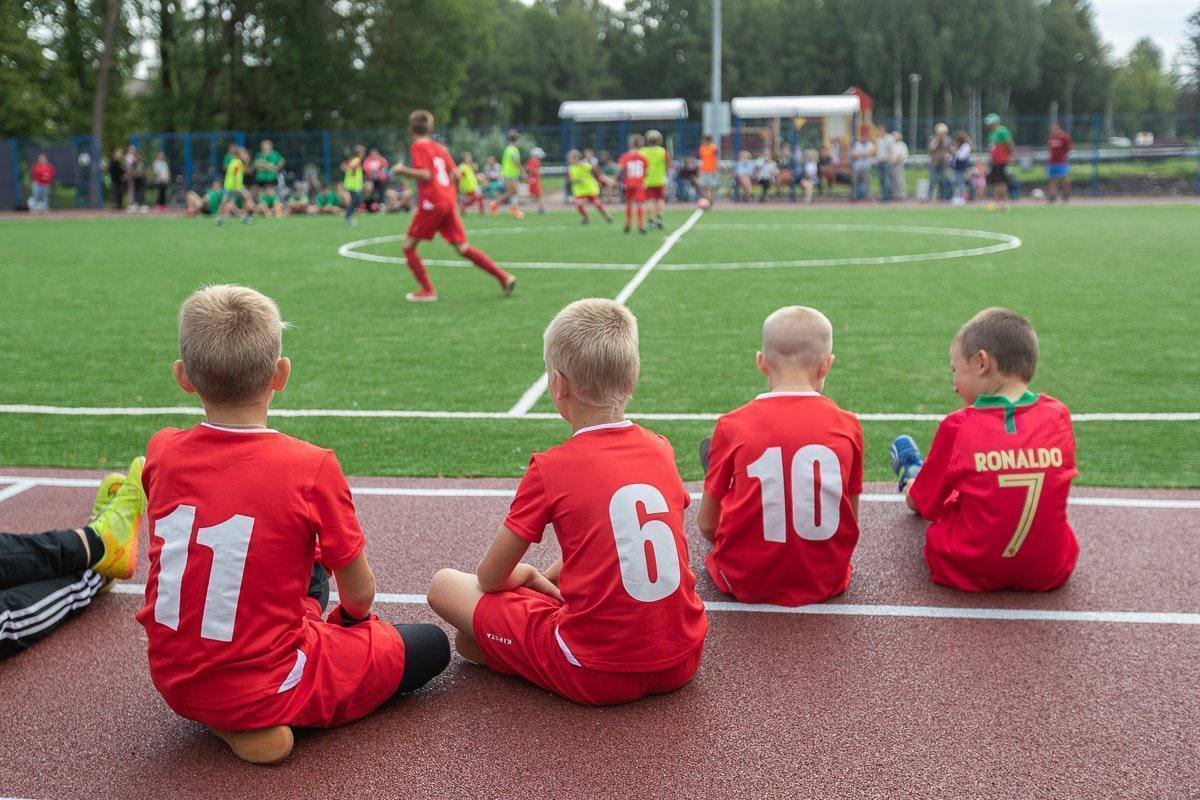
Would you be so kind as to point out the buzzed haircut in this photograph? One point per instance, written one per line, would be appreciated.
(420, 122)
(514, 135)
(797, 336)
(636, 140)
(1006, 336)
(594, 343)
(654, 137)
(230, 338)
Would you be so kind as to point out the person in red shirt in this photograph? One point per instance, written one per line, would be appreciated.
(41, 176)
(244, 523)
(998, 475)
(377, 170)
(617, 617)
(1058, 171)
(533, 177)
(783, 475)
(437, 209)
(632, 174)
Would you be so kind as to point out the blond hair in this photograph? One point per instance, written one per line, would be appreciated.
(594, 343)
(1007, 337)
(797, 336)
(230, 338)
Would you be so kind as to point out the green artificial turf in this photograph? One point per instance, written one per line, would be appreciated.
(89, 306)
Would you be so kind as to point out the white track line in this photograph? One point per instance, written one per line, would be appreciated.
(29, 481)
(858, 610)
(527, 401)
(384, 413)
(15, 488)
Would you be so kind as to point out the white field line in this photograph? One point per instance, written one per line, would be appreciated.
(383, 413)
(538, 388)
(15, 488)
(858, 610)
(30, 481)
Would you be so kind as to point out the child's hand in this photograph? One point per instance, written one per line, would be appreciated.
(532, 579)
(339, 617)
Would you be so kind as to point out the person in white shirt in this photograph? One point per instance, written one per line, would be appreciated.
(962, 163)
(899, 160)
(883, 165)
(162, 177)
(862, 158)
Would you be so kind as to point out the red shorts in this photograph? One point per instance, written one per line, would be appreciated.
(516, 631)
(635, 194)
(655, 192)
(346, 674)
(535, 188)
(587, 198)
(440, 219)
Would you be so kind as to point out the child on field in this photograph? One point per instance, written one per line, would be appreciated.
(468, 184)
(996, 482)
(617, 617)
(244, 523)
(633, 177)
(581, 176)
(533, 176)
(790, 442)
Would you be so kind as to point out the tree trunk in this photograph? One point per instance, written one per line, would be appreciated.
(212, 57)
(166, 48)
(948, 103)
(898, 99)
(100, 98)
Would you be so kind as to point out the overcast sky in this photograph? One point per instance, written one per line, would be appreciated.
(1123, 22)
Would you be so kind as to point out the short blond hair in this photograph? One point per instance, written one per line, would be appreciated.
(1007, 337)
(594, 343)
(797, 336)
(230, 338)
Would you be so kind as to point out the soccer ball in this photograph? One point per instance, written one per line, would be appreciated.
(705, 204)
(1038, 194)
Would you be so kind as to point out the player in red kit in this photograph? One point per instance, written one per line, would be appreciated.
(437, 209)
(533, 176)
(1058, 170)
(998, 475)
(783, 475)
(244, 522)
(617, 618)
(632, 169)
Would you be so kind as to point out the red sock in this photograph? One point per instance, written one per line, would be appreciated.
(418, 268)
(480, 259)
(641, 216)
(582, 210)
(629, 214)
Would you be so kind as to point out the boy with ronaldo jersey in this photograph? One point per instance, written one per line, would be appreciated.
(617, 617)
(788, 444)
(996, 482)
(244, 522)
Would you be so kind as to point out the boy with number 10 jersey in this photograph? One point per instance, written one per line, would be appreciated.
(783, 475)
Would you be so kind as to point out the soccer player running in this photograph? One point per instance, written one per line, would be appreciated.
(533, 174)
(510, 172)
(581, 178)
(235, 185)
(468, 184)
(1058, 174)
(658, 163)
(633, 178)
(437, 209)
(352, 181)
(1000, 151)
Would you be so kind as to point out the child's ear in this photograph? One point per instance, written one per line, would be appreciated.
(760, 361)
(181, 377)
(283, 371)
(826, 366)
(557, 385)
(986, 362)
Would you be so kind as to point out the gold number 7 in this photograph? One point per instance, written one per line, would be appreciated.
(1033, 482)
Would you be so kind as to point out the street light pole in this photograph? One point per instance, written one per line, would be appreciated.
(915, 93)
(716, 53)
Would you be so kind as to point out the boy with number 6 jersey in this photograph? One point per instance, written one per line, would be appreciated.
(244, 522)
(783, 475)
(998, 475)
(617, 617)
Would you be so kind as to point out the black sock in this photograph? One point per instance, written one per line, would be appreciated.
(95, 546)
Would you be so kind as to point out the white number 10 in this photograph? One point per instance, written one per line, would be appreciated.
(229, 542)
(816, 479)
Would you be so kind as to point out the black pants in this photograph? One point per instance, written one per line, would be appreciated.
(162, 193)
(352, 206)
(44, 581)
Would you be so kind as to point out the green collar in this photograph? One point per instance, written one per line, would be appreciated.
(1009, 406)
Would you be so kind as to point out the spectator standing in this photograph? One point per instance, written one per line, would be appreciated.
(41, 178)
(962, 164)
(1058, 175)
(1000, 151)
(883, 165)
(162, 177)
(940, 155)
(135, 179)
(899, 162)
(377, 168)
(710, 174)
(116, 176)
(862, 159)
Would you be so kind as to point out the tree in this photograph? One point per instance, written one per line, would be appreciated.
(1189, 94)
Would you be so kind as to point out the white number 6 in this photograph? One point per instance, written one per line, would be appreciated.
(632, 538)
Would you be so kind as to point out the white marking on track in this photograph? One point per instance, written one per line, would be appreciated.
(531, 395)
(859, 610)
(14, 489)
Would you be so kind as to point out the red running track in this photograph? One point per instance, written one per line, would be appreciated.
(784, 705)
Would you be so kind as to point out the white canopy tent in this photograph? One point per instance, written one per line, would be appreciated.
(623, 110)
(606, 124)
(820, 105)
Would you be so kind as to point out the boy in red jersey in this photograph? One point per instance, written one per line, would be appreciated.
(437, 209)
(996, 482)
(789, 443)
(244, 522)
(617, 617)
(533, 176)
(632, 166)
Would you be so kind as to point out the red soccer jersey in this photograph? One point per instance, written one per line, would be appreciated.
(616, 502)
(633, 166)
(440, 190)
(533, 169)
(42, 174)
(784, 468)
(1060, 145)
(235, 520)
(995, 486)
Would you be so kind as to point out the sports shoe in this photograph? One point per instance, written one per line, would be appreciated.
(117, 526)
(265, 746)
(493, 207)
(906, 459)
(516, 213)
(421, 297)
(104, 495)
(508, 284)
(627, 229)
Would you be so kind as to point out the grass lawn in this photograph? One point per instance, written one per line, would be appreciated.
(89, 320)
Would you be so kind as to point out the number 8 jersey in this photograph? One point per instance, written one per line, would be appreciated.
(613, 494)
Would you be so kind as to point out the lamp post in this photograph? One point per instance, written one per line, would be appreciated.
(914, 81)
